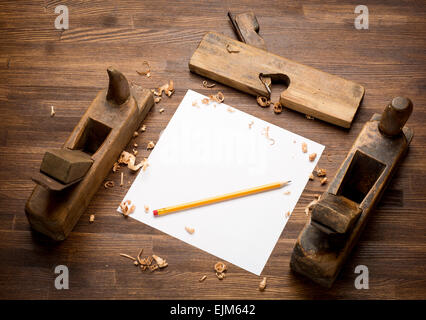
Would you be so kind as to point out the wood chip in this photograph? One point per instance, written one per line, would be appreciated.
(127, 207)
(127, 256)
(190, 230)
(278, 108)
(251, 124)
(160, 261)
(161, 110)
(323, 180)
(262, 284)
(150, 145)
(287, 192)
(309, 207)
(146, 208)
(135, 134)
(219, 97)
(309, 117)
(220, 275)
(304, 147)
(147, 71)
(195, 104)
(230, 110)
(130, 159)
(157, 99)
(266, 134)
(52, 111)
(220, 267)
(263, 101)
(321, 172)
(109, 184)
(287, 214)
(115, 167)
(143, 128)
(122, 180)
(135, 152)
(312, 156)
(206, 85)
(202, 278)
(311, 176)
(92, 218)
(205, 101)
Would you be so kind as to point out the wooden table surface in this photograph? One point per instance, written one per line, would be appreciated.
(41, 66)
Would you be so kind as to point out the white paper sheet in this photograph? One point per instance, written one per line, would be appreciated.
(209, 150)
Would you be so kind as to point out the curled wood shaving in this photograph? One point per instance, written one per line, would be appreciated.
(161, 110)
(127, 256)
(145, 164)
(190, 230)
(52, 111)
(115, 167)
(220, 267)
(157, 99)
(311, 177)
(309, 207)
(135, 145)
(251, 124)
(287, 192)
(321, 172)
(135, 152)
(266, 134)
(262, 284)
(278, 108)
(129, 159)
(202, 278)
(323, 180)
(230, 49)
(219, 97)
(304, 147)
(109, 184)
(205, 101)
(160, 261)
(146, 72)
(206, 85)
(150, 145)
(312, 156)
(195, 104)
(220, 275)
(135, 134)
(92, 218)
(127, 207)
(287, 214)
(263, 101)
(143, 128)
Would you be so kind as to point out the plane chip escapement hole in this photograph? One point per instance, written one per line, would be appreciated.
(275, 84)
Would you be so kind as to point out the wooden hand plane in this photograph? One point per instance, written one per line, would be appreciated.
(341, 213)
(251, 69)
(70, 176)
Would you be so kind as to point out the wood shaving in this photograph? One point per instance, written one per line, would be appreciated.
(202, 278)
(127, 207)
(150, 145)
(143, 128)
(219, 97)
(161, 110)
(309, 207)
(250, 124)
(115, 167)
(278, 108)
(122, 179)
(109, 184)
(135, 134)
(92, 218)
(230, 110)
(266, 134)
(195, 104)
(146, 208)
(287, 214)
(262, 284)
(304, 147)
(135, 152)
(205, 101)
(287, 192)
(135, 263)
(135, 145)
(321, 172)
(220, 275)
(190, 230)
(157, 99)
(52, 111)
(167, 88)
(311, 176)
(309, 117)
(153, 267)
(263, 101)
(323, 181)
(206, 85)
(130, 159)
(139, 256)
(160, 261)
(220, 267)
(312, 156)
(127, 256)
(230, 49)
(146, 72)
(145, 164)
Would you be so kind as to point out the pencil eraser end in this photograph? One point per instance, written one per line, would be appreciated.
(155, 212)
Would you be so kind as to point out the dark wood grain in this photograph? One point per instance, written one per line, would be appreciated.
(41, 66)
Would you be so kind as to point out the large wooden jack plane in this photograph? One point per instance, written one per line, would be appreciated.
(340, 215)
(70, 176)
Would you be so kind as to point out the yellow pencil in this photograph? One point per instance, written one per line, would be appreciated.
(224, 197)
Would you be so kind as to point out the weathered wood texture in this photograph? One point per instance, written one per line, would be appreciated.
(41, 66)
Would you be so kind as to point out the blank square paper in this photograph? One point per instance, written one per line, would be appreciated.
(212, 149)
